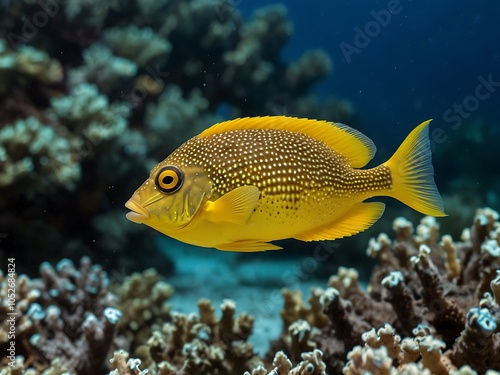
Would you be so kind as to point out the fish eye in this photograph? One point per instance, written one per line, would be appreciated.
(169, 179)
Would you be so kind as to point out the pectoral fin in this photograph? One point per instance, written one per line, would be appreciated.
(235, 206)
(360, 217)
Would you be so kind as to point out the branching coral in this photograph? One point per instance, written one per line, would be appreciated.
(143, 302)
(90, 13)
(193, 345)
(311, 364)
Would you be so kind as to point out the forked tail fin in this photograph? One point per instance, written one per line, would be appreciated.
(413, 175)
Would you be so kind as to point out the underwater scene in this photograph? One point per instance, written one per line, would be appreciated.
(249, 187)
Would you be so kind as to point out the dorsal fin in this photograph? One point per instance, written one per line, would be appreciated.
(355, 146)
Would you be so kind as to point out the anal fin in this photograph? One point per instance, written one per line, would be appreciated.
(359, 218)
(248, 246)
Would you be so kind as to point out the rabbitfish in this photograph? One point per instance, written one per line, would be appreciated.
(243, 183)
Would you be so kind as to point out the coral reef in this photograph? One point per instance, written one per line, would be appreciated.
(92, 94)
(430, 305)
(203, 344)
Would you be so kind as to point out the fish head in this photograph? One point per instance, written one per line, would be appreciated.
(170, 198)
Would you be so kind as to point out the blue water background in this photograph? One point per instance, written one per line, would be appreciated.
(428, 57)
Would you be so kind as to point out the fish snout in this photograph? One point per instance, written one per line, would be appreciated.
(137, 214)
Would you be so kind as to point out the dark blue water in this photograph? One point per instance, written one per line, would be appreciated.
(412, 64)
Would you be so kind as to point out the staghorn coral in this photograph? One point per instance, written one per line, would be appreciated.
(311, 364)
(477, 341)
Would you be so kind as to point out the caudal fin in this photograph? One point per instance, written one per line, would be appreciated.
(413, 175)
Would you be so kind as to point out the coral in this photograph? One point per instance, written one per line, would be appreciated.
(143, 303)
(66, 315)
(311, 364)
(477, 342)
(142, 46)
(122, 365)
(173, 113)
(310, 67)
(191, 344)
(102, 68)
(89, 114)
(431, 305)
(150, 8)
(46, 156)
(30, 149)
(89, 12)
(24, 64)
(251, 65)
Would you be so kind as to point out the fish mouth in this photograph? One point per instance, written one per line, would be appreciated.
(137, 214)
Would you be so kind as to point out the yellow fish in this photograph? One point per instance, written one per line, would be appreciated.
(243, 183)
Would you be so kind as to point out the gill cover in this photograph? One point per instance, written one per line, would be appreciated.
(184, 191)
